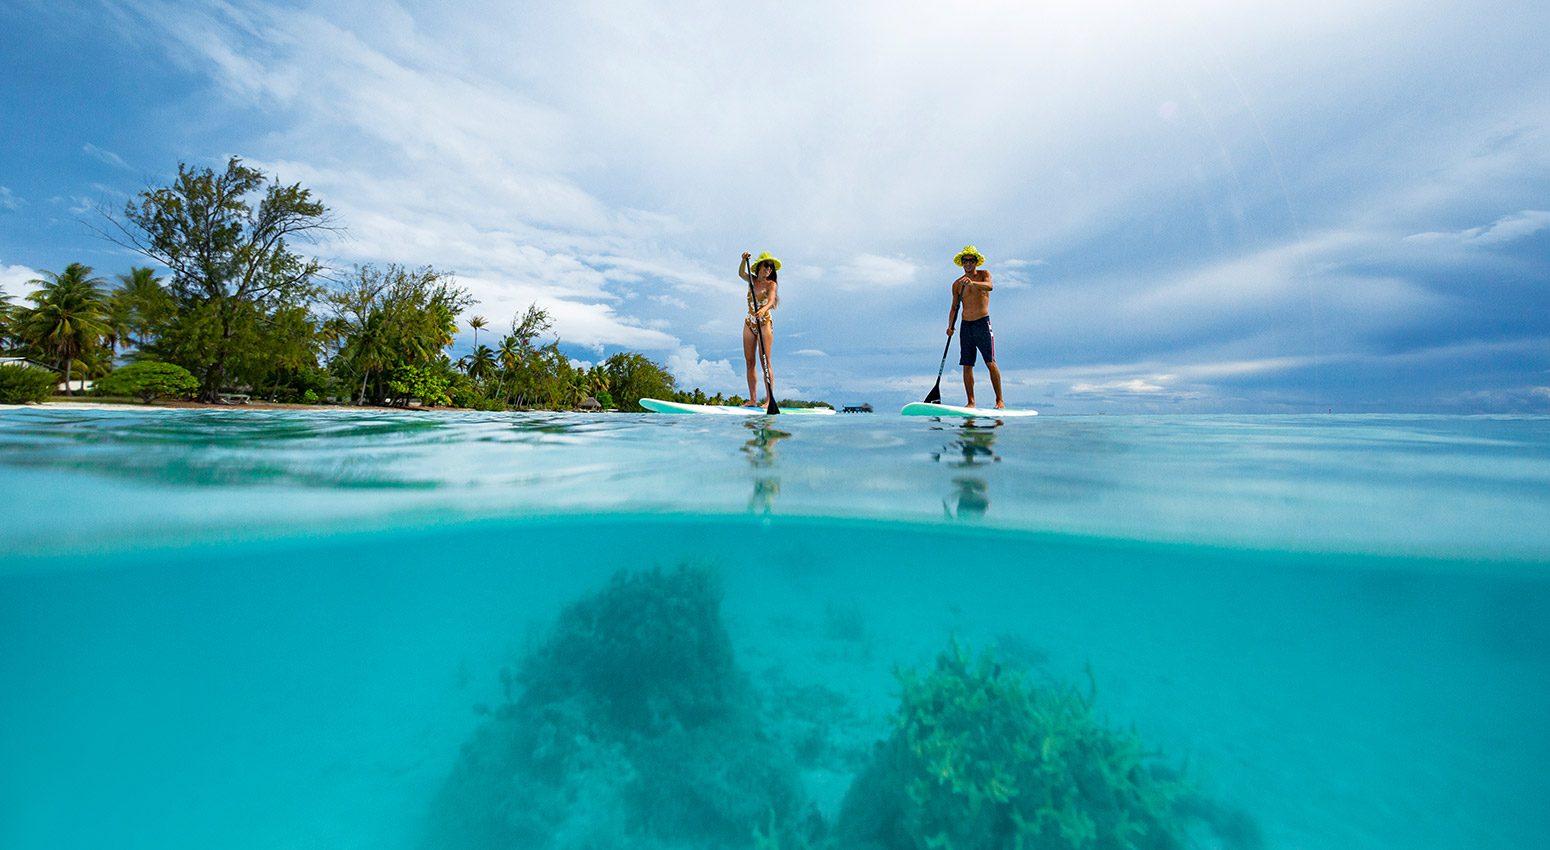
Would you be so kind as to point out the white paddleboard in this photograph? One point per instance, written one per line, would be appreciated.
(659, 406)
(921, 408)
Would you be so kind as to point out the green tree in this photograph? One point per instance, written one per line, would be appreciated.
(7, 322)
(22, 383)
(481, 363)
(422, 382)
(68, 318)
(149, 380)
(227, 240)
(632, 377)
(285, 354)
(392, 317)
(144, 305)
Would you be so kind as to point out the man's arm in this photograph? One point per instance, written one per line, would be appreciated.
(952, 315)
(981, 283)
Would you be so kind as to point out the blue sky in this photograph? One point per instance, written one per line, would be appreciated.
(1187, 206)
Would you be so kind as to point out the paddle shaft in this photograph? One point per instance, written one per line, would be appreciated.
(936, 389)
(758, 336)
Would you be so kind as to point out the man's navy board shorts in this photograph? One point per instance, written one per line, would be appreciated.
(976, 335)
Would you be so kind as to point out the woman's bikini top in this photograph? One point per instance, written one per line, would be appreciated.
(754, 305)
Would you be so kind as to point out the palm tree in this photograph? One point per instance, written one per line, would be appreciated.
(69, 316)
(597, 380)
(149, 304)
(7, 311)
(478, 323)
(118, 313)
(577, 388)
(481, 363)
(510, 356)
(369, 351)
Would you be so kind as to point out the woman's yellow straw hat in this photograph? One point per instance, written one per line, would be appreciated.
(766, 257)
(969, 251)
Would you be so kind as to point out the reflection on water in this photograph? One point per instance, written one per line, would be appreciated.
(760, 451)
(970, 499)
(972, 447)
(1471, 486)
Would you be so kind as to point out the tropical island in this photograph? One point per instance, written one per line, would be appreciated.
(243, 316)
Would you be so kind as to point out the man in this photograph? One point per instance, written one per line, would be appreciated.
(973, 290)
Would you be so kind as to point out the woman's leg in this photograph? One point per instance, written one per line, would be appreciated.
(749, 358)
(769, 350)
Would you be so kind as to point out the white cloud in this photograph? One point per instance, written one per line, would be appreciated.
(869, 271)
(14, 281)
(1506, 229)
(8, 200)
(809, 352)
(692, 371)
(105, 156)
(1134, 385)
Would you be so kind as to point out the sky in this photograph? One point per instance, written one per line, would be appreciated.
(1186, 207)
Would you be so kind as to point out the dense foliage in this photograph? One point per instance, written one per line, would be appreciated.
(149, 380)
(227, 240)
(21, 384)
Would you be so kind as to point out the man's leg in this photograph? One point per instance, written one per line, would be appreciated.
(995, 381)
(968, 384)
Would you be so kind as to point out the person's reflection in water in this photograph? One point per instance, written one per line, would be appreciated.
(972, 497)
(973, 446)
(761, 453)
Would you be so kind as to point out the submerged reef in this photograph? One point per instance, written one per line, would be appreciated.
(983, 758)
(631, 726)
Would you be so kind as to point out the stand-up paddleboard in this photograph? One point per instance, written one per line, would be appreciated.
(659, 406)
(921, 408)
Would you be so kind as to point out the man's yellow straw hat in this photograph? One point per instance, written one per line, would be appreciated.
(969, 251)
(765, 257)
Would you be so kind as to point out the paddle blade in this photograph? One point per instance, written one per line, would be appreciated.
(935, 395)
(772, 409)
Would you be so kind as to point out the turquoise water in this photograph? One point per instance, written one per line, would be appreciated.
(273, 629)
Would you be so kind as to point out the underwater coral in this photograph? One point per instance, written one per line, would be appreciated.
(984, 758)
(632, 726)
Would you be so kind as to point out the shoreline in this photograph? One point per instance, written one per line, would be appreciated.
(201, 405)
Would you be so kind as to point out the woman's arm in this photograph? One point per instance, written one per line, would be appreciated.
(742, 270)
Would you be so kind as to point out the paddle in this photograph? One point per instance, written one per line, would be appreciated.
(935, 395)
(758, 335)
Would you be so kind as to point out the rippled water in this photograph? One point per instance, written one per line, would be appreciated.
(1471, 487)
(277, 629)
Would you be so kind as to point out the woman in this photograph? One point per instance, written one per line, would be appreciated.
(762, 298)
